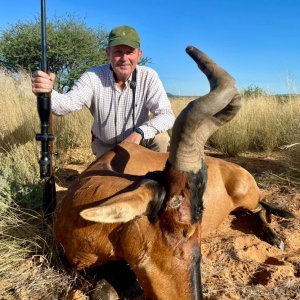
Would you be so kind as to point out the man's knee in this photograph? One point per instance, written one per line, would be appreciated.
(160, 143)
(99, 149)
(163, 141)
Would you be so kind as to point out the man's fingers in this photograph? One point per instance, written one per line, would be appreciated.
(42, 86)
(40, 91)
(41, 74)
(52, 76)
(42, 82)
(134, 138)
(46, 84)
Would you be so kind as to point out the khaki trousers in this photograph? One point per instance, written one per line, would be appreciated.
(160, 143)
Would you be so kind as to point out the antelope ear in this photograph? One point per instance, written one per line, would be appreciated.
(147, 197)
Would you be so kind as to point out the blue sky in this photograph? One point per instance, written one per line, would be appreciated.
(257, 41)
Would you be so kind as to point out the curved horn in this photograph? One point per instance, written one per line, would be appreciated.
(204, 115)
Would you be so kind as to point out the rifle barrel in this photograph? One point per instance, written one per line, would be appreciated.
(44, 66)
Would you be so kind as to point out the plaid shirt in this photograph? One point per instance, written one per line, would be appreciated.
(112, 108)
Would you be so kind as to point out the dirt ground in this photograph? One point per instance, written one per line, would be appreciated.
(236, 262)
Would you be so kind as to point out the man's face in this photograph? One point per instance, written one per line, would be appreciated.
(123, 60)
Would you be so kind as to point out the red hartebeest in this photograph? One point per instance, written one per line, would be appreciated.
(147, 207)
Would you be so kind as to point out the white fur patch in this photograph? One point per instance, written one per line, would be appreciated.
(176, 201)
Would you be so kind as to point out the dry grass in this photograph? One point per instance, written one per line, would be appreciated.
(262, 124)
(18, 118)
(27, 258)
(19, 121)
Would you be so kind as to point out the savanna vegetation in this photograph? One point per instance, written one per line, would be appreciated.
(264, 124)
(30, 262)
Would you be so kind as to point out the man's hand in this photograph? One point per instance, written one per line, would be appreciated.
(134, 138)
(42, 82)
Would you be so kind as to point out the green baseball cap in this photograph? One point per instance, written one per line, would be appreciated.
(124, 35)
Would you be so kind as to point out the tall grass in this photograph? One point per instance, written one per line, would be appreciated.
(26, 251)
(19, 121)
(263, 124)
(17, 116)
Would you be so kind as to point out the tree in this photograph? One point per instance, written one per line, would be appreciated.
(253, 91)
(72, 48)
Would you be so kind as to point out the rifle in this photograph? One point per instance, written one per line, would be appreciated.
(46, 137)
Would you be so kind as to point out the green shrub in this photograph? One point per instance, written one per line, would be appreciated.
(19, 176)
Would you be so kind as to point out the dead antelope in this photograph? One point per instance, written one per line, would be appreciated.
(148, 208)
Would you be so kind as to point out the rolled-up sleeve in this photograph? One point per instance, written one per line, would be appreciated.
(159, 105)
(80, 95)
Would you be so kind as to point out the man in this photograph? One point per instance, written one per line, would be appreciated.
(119, 95)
